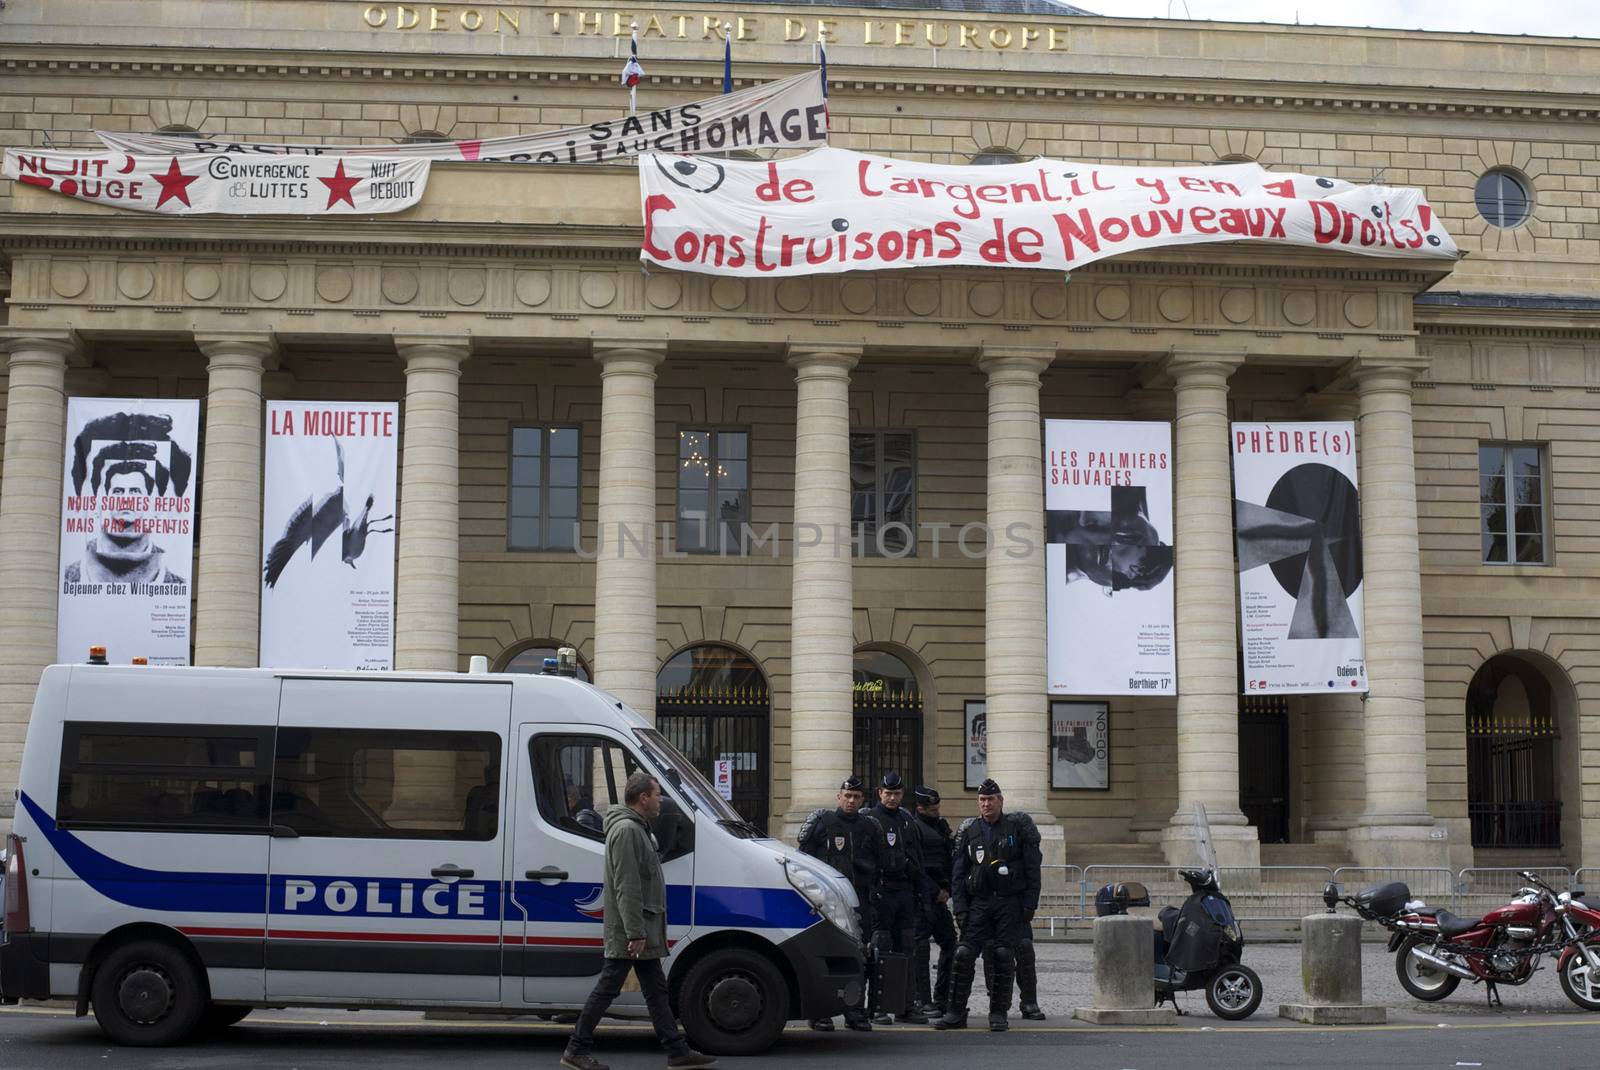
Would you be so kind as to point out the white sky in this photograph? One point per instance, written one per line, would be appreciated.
(1551, 18)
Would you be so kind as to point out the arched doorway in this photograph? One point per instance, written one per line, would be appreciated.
(529, 658)
(888, 718)
(712, 703)
(1513, 748)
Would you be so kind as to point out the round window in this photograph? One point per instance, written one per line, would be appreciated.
(1503, 199)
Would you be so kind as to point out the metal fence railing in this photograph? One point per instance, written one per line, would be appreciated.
(1584, 878)
(1289, 893)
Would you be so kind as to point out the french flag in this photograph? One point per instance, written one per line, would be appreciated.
(633, 73)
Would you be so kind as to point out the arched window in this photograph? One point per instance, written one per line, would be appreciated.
(423, 137)
(888, 719)
(1513, 782)
(530, 659)
(712, 704)
(996, 156)
(179, 130)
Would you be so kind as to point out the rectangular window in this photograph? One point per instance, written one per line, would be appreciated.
(387, 784)
(883, 492)
(713, 490)
(546, 482)
(576, 778)
(172, 778)
(1512, 502)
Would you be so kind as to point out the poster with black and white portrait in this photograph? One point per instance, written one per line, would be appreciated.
(1108, 557)
(328, 535)
(127, 529)
(975, 742)
(1297, 527)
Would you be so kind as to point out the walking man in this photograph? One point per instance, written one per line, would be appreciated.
(635, 904)
(996, 879)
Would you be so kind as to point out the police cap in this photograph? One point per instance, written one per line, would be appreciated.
(852, 783)
(927, 797)
(989, 787)
(892, 781)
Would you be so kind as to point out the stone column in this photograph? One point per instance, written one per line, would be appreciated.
(821, 630)
(1207, 584)
(427, 587)
(1014, 587)
(625, 658)
(1396, 828)
(30, 531)
(227, 628)
(1154, 719)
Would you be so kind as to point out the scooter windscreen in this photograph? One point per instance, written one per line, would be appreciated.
(1208, 854)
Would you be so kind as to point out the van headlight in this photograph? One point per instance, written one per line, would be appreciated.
(827, 902)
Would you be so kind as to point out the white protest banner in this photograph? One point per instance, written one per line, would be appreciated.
(1108, 558)
(127, 529)
(1297, 527)
(832, 210)
(327, 547)
(779, 115)
(192, 184)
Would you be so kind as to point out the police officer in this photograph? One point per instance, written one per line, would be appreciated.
(903, 887)
(853, 843)
(933, 921)
(995, 878)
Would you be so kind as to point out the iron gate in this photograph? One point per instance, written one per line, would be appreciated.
(888, 735)
(730, 722)
(1264, 765)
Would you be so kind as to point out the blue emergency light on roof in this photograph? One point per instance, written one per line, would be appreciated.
(551, 665)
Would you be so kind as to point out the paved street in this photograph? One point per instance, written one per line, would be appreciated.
(1537, 1028)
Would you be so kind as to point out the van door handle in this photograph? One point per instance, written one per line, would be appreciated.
(548, 873)
(450, 870)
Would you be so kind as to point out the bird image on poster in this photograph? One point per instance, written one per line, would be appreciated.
(1109, 558)
(1297, 531)
(127, 529)
(328, 536)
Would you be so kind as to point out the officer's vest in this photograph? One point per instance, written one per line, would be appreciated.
(847, 847)
(896, 829)
(995, 868)
(935, 851)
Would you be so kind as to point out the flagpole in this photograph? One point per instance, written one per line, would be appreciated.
(633, 90)
(727, 58)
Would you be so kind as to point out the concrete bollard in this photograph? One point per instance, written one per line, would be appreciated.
(1330, 969)
(1124, 974)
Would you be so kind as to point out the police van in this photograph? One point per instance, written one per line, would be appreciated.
(190, 844)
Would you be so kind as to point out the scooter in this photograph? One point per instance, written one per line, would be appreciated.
(1197, 946)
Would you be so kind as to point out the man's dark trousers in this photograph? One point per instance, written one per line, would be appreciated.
(652, 982)
(934, 923)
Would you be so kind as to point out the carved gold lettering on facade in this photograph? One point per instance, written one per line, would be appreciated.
(898, 33)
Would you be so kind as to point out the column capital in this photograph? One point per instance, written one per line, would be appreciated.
(1369, 372)
(1014, 362)
(60, 346)
(810, 356)
(436, 353)
(235, 348)
(1184, 368)
(612, 353)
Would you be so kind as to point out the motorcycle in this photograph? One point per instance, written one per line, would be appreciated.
(1198, 946)
(1436, 950)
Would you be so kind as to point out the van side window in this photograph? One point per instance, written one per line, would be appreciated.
(387, 784)
(576, 778)
(172, 778)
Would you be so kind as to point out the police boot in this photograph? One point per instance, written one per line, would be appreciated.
(1028, 982)
(919, 967)
(1000, 990)
(955, 1015)
(941, 982)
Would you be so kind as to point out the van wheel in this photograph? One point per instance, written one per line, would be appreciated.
(733, 1002)
(219, 1016)
(148, 994)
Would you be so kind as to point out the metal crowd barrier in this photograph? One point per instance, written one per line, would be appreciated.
(1481, 890)
(1586, 876)
(1436, 887)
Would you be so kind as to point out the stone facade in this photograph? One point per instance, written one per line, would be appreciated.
(513, 296)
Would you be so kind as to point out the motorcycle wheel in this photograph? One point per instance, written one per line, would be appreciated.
(1580, 983)
(1422, 981)
(1234, 992)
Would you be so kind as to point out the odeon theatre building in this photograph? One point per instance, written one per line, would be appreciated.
(1235, 444)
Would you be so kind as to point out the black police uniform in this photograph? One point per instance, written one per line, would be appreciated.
(934, 924)
(903, 887)
(853, 844)
(996, 877)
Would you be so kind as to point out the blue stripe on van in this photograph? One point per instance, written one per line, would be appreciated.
(570, 902)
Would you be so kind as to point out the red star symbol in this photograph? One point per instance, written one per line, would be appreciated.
(339, 187)
(174, 185)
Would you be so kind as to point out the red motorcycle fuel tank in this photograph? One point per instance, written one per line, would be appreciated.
(1514, 914)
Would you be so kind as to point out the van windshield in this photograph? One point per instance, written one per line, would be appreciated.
(684, 776)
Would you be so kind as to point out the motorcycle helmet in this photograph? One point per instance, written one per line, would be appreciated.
(1117, 898)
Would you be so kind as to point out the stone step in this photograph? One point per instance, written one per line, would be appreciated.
(1332, 855)
(1114, 854)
